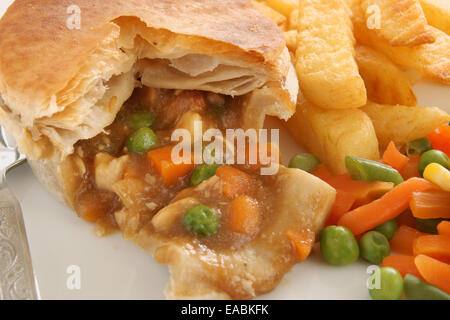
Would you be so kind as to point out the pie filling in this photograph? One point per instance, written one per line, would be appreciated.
(230, 219)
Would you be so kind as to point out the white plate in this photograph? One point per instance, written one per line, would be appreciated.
(112, 268)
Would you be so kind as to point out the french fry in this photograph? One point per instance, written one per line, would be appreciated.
(326, 66)
(384, 81)
(333, 134)
(293, 20)
(291, 39)
(274, 15)
(401, 22)
(284, 7)
(402, 123)
(432, 60)
(437, 13)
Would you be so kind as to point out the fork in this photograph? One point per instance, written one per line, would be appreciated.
(17, 281)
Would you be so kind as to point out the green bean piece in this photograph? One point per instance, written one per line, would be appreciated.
(369, 170)
(304, 161)
(417, 289)
(418, 146)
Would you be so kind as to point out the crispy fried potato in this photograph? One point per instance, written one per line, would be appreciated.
(401, 123)
(291, 39)
(326, 66)
(293, 20)
(284, 7)
(437, 13)
(334, 134)
(402, 22)
(432, 60)
(274, 15)
(384, 81)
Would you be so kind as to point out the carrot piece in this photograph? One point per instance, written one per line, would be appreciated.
(444, 228)
(406, 219)
(430, 204)
(169, 171)
(435, 246)
(411, 168)
(343, 203)
(394, 158)
(404, 264)
(322, 172)
(303, 241)
(234, 182)
(91, 209)
(244, 215)
(434, 271)
(388, 207)
(403, 240)
(440, 139)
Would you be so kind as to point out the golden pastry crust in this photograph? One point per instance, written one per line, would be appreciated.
(54, 80)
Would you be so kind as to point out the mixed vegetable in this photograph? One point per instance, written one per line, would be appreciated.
(394, 213)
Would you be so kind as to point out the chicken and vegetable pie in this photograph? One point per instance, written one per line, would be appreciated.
(94, 109)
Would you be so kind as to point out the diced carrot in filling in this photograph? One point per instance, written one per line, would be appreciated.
(244, 215)
(91, 209)
(234, 181)
(161, 159)
(302, 240)
(430, 204)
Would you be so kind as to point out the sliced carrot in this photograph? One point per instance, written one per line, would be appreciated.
(406, 219)
(303, 241)
(234, 182)
(161, 159)
(343, 203)
(434, 271)
(411, 168)
(322, 173)
(436, 246)
(430, 204)
(244, 215)
(444, 228)
(404, 265)
(394, 158)
(440, 139)
(403, 240)
(388, 207)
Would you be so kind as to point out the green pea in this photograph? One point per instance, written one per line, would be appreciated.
(141, 119)
(417, 289)
(141, 140)
(431, 156)
(201, 220)
(388, 228)
(428, 225)
(304, 161)
(391, 285)
(338, 246)
(418, 146)
(203, 172)
(374, 246)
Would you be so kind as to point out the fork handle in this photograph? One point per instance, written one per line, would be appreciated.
(17, 280)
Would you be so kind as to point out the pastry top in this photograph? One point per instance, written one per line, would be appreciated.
(53, 74)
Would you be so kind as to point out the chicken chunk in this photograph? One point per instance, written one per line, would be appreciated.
(108, 170)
